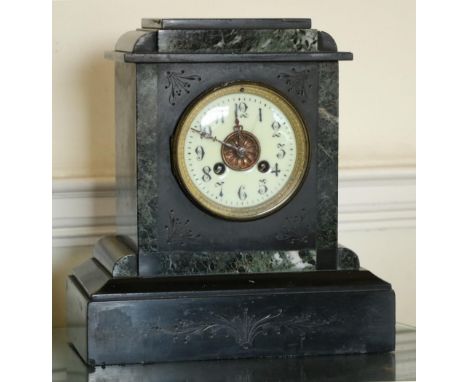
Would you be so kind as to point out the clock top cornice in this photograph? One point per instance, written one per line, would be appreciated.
(220, 40)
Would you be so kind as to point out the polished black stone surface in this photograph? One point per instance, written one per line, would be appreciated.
(397, 366)
(227, 57)
(172, 229)
(227, 316)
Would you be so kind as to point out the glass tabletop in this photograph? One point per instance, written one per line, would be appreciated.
(396, 366)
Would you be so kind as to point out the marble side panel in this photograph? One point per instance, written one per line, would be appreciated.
(198, 263)
(205, 263)
(327, 166)
(327, 158)
(237, 41)
(147, 163)
(125, 150)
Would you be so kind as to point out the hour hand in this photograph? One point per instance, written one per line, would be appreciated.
(204, 134)
(214, 139)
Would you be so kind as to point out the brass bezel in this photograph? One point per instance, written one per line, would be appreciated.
(297, 174)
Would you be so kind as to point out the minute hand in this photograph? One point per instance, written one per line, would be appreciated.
(214, 139)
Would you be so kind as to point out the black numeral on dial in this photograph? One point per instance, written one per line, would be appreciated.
(241, 110)
(262, 187)
(241, 193)
(206, 174)
(276, 170)
(206, 132)
(281, 151)
(276, 126)
(220, 185)
(219, 119)
(200, 151)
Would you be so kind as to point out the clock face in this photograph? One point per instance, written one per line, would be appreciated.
(241, 151)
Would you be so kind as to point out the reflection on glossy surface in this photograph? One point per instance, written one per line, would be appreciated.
(371, 367)
(344, 368)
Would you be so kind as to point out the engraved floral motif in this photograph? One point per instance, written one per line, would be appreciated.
(177, 83)
(178, 230)
(297, 82)
(244, 327)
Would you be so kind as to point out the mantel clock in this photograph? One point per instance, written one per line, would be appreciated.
(227, 186)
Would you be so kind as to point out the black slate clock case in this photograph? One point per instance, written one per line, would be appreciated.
(201, 231)
(301, 293)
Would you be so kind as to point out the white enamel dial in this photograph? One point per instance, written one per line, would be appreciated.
(241, 151)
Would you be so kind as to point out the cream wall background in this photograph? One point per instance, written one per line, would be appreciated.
(377, 124)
